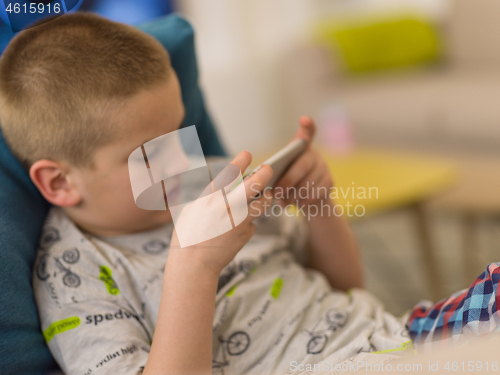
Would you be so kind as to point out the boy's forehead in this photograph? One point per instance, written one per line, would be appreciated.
(152, 113)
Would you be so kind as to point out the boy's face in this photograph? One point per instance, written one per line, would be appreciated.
(107, 206)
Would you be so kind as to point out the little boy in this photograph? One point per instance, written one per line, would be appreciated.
(77, 95)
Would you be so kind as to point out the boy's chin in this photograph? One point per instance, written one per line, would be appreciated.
(144, 224)
(159, 218)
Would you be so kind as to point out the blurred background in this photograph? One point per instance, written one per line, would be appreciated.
(405, 94)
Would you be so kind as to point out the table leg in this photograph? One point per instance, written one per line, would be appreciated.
(471, 266)
(428, 251)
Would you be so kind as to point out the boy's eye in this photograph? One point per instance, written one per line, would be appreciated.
(139, 159)
(152, 152)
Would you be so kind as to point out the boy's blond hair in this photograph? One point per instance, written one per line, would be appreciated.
(61, 83)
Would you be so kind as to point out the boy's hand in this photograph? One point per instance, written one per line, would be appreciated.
(309, 172)
(218, 252)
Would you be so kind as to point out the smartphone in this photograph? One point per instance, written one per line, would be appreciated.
(282, 160)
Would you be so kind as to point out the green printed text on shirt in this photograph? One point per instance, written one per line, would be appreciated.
(276, 288)
(106, 277)
(60, 327)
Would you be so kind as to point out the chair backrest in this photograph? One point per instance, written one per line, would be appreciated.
(23, 210)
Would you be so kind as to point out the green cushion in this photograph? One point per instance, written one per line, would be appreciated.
(366, 44)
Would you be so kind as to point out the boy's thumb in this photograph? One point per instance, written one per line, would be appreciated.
(306, 130)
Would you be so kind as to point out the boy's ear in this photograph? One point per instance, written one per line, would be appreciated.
(55, 183)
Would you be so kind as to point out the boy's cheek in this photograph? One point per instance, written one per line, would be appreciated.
(111, 195)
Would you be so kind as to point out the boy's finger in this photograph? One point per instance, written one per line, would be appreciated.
(242, 160)
(258, 181)
(227, 175)
(298, 170)
(306, 130)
